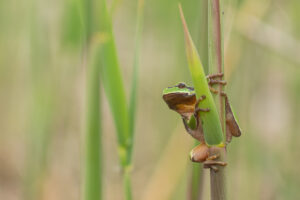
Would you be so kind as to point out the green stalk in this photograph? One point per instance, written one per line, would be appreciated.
(127, 184)
(93, 168)
(134, 84)
(123, 114)
(113, 82)
(217, 179)
(41, 107)
(196, 182)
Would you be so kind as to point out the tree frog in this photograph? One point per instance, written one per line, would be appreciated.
(182, 99)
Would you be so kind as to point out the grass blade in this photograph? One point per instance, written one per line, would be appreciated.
(42, 106)
(115, 92)
(113, 82)
(211, 123)
(134, 84)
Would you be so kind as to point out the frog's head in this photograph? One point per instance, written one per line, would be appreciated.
(180, 98)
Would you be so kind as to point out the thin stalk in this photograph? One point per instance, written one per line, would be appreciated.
(216, 48)
(133, 95)
(41, 106)
(93, 168)
(124, 114)
(127, 184)
(217, 179)
(92, 171)
(195, 189)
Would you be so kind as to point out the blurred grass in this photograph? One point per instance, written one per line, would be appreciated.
(262, 83)
(41, 107)
(113, 82)
(92, 184)
(134, 84)
(124, 114)
(93, 142)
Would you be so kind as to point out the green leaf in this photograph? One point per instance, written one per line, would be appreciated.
(112, 81)
(210, 120)
(134, 84)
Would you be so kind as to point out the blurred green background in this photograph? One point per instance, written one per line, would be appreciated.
(42, 102)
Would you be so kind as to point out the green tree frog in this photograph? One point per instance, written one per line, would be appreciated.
(182, 99)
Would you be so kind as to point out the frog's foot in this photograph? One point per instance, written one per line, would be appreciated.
(212, 81)
(211, 163)
(217, 75)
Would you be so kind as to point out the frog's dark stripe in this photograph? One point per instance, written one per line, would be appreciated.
(177, 98)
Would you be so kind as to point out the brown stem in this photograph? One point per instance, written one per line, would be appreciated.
(217, 179)
(217, 37)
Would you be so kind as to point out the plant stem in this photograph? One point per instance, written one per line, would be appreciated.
(92, 172)
(92, 146)
(217, 179)
(134, 84)
(127, 184)
(195, 187)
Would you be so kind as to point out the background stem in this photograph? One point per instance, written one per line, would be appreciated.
(92, 144)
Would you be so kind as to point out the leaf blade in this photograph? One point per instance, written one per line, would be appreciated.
(212, 129)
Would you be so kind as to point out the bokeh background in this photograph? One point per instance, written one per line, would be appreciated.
(43, 87)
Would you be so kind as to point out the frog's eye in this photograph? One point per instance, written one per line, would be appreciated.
(181, 85)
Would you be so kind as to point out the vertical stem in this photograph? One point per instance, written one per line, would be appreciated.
(217, 179)
(216, 48)
(133, 98)
(127, 184)
(92, 173)
(133, 95)
(41, 105)
(92, 169)
(195, 187)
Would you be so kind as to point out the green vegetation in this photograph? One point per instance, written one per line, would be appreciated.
(75, 72)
